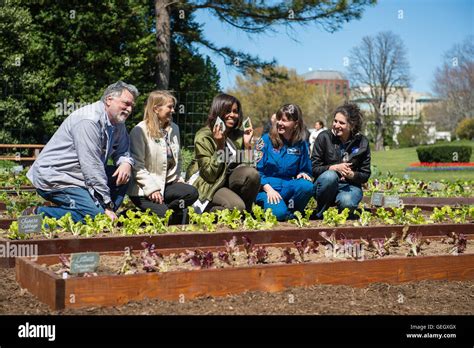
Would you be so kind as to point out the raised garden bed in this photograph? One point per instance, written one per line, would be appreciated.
(106, 289)
(213, 239)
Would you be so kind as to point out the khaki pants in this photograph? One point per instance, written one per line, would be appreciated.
(239, 191)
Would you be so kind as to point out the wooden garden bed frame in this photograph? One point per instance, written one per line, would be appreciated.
(5, 223)
(13, 190)
(115, 290)
(216, 239)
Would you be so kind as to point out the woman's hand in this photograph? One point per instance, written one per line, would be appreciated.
(248, 135)
(156, 197)
(304, 176)
(273, 197)
(219, 137)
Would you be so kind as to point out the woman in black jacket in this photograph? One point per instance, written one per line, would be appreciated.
(341, 161)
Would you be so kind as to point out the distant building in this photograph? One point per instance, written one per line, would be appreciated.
(334, 81)
(404, 103)
(405, 107)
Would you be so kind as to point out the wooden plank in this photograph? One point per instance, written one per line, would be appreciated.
(5, 223)
(17, 158)
(117, 290)
(21, 146)
(214, 239)
(46, 286)
(13, 190)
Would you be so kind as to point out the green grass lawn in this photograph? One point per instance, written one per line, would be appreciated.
(396, 161)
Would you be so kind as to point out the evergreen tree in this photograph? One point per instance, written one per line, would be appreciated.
(70, 52)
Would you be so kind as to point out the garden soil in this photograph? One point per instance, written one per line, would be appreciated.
(425, 297)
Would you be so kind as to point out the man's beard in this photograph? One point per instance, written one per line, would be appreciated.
(120, 117)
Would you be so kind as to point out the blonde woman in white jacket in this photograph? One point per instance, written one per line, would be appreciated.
(154, 145)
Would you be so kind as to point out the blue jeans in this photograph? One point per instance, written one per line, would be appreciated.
(329, 190)
(296, 194)
(78, 201)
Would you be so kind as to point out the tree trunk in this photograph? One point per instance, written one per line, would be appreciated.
(163, 43)
(378, 131)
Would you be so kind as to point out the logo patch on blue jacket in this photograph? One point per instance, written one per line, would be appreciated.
(294, 151)
(354, 150)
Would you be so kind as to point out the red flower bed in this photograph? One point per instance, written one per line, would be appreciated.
(442, 164)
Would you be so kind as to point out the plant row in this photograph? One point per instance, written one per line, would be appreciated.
(14, 179)
(151, 260)
(419, 188)
(138, 223)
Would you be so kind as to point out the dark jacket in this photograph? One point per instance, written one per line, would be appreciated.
(328, 150)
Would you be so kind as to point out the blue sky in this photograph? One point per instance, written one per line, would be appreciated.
(428, 29)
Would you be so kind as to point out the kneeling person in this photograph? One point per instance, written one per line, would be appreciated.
(72, 170)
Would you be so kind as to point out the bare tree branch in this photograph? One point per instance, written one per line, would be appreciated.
(378, 69)
(454, 83)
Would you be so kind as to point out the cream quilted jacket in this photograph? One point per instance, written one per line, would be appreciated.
(149, 172)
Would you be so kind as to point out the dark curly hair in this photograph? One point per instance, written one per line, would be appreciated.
(353, 115)
(221, 106)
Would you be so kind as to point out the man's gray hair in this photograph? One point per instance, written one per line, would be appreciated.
(116, 89)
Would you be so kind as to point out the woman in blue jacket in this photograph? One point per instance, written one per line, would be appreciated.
(283, 162)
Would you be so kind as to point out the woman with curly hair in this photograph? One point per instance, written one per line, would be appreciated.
(341, 161)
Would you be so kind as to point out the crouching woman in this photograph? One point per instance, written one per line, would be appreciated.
(222, 178)
(284, 165)
(154, 145)
(341, 161)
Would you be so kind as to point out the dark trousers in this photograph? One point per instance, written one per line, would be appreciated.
(177, 196)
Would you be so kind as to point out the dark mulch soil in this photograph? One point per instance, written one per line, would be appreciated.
(425, 297)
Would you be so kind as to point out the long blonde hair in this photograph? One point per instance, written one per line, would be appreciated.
(156, 98)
